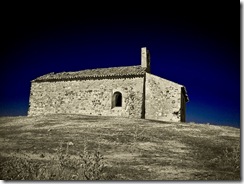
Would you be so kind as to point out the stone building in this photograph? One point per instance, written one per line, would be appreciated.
(130, 91)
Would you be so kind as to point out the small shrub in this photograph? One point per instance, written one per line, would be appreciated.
(16, 168)
(137, 133)
(92, 164)
(231, 158)
(229, 162)
(62, 166)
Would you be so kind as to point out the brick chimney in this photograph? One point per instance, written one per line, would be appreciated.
(145, 59)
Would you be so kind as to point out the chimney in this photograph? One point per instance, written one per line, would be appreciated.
(145, 59)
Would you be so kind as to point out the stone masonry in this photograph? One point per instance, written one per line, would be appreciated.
(88, 97)
(119, 91)
(163, 99)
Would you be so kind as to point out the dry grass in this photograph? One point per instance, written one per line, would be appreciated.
(59, 166)
(129, 149)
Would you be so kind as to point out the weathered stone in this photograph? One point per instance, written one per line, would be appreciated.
(138, 94)
(55, 97)
(161, 107)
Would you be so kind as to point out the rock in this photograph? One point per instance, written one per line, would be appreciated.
(70, 143)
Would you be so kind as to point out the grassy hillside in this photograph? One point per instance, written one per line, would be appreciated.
(111, 148)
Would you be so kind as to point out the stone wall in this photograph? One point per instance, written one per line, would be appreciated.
(162, 99)
(88, 97)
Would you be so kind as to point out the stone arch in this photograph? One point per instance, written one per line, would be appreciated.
(117, 99)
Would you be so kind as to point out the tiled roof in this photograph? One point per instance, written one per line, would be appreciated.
(126, 71)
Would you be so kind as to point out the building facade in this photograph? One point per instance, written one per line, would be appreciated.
(130, 91)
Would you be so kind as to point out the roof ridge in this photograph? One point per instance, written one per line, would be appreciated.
(99, 68)
(135, 70)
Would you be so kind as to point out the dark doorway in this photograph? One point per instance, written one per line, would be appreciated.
(117, 100)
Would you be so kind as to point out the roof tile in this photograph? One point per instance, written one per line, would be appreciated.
(95, 73)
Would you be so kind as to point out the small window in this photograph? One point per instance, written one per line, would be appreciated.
(117, 100)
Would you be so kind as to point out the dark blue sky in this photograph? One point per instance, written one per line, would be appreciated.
(196, 45)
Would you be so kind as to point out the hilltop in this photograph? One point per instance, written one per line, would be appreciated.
(132, 149)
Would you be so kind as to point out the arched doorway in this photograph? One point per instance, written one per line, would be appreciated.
(117, 99)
